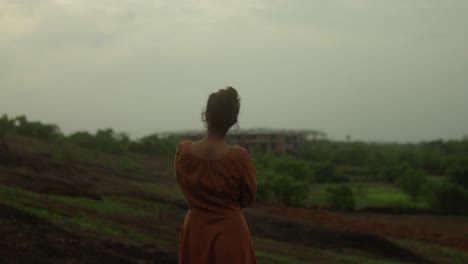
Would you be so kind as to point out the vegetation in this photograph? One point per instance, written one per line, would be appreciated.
(340, 197)
(411, 182)
(145, 207)
(289, 179)
(104, 140)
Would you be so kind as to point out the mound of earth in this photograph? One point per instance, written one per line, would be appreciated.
(305, 233)
(28, 239)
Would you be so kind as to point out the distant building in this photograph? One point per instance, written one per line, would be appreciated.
(261, 140)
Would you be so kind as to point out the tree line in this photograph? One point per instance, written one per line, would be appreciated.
(105, 140)
(286, 178)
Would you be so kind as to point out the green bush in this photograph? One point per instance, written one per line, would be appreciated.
(412, 182)
(288, 165)
(273, 187)
(449, 198)
(128, 165)
(289, 191)
(459, 174)
(265, 193)
(395, 171)
(326, 172)
(154, 145)
(340, 197)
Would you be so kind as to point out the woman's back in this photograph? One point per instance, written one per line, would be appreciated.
(215, 230)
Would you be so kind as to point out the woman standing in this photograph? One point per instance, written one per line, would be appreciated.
(217, 180)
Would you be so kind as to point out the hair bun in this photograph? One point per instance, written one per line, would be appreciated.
(231, 94)
(222, 110)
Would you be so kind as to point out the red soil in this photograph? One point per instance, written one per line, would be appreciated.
(451, 232)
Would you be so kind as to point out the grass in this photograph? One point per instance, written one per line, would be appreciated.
(267, 257)
(96, 226)
(369, 195)
(350, 259)
(437, 253)
(273, 251)
(168, 191)
(101, 217)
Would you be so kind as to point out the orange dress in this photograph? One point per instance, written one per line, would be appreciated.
(214, 229)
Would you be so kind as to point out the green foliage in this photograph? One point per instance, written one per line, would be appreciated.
(289, 191)
(448, 198)
(128, 165)
(153, 145)
(326, 172)
(273, 187)
(459, 174)
(395, 171)
(105, 140)
(380, 161)
(282, 179)
(295, 168)
(411, 182)
(21, 126)
(265, 191)
(340, 197)
(267, 257)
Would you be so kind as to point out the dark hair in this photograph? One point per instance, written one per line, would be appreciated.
(222, 110)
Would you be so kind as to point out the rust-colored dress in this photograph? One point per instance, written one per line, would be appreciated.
(214, 229)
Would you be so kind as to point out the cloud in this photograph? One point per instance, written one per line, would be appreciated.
(302, 63)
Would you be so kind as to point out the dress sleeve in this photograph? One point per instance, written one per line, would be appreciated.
(249, 182)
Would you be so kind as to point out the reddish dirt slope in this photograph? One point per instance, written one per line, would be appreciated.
(416, 227)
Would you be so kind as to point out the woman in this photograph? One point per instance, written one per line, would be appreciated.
(217, 180)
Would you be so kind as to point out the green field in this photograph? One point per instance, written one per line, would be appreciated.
(368, 195)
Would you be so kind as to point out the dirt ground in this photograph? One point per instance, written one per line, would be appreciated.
(446, 231)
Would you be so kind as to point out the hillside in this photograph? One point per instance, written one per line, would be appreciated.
(74, 205)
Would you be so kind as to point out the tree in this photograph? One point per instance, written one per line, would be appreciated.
(289, 191)
(275, 187)
(459, 174)
(265, 192)
(395, 171)
(411, 182)
(295, 168)
(340, 197)
(154, 145)
(5, 126)
(326, 172)
(449, 198)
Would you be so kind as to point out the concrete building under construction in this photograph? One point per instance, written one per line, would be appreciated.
(261, 140)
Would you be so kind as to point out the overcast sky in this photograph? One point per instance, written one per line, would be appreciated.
(394, 70)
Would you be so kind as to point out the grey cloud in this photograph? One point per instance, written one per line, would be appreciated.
(378, 70)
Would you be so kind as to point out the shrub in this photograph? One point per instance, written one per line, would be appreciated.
(289, 191)
(265, 193)
(395, 171)
(274, 187)
(128, 165)
(340, 197)
(459, 175)
(326, 172)
(412, 182)
(449, 198)
(287, 165)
